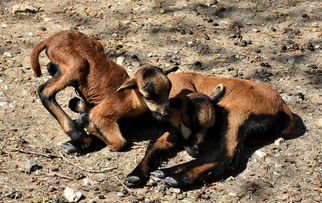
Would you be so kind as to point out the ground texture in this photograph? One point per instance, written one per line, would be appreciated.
(278, 43)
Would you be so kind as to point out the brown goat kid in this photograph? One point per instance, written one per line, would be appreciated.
(248, 111)
(79, 61)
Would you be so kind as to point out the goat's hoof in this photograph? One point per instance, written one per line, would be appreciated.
(132, 181)
(171, 181)
(158, 174)
(69, 148)
(193, 151)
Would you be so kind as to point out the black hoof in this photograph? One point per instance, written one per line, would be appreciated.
(193, 151)
(132, 181)
(158, 174)
(171, 182)
(69, 147)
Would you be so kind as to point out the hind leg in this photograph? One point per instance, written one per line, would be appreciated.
(47, 93)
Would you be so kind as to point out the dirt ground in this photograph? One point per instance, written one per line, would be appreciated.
(278, 43)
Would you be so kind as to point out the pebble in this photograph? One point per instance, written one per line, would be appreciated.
(4, 25)
(260, 153)
(273, 29)
(29, 34)
(240, 56)
(279, 141)
(71, 195)
(304, 15)
(175, 190)
(206, 36)
(136, 64)
(211, 3)
(232, 194)
(101, 196)
(120, 60)
(32, 165)
(267, 65)
(4, 104)
(310, 46)
(313, 66)
(120, 194)
(7, 55)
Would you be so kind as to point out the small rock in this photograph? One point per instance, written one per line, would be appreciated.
(277, 175)
(232, 194)
(7, 55)
(120, 60)
(120, 194)
(175, 190)
(149, 55)
(258, 51)
(310, 46)
(136, 64)
(24, 8)
(32, 165)
(4, 25)
(197, 64)
(260, 153)
(273, 29)
(190, 32)
(313, 66)
(115, 35)
(29, 34)
(206, 36)
(304, 15)
(163, 11)
(182, 31)
(240, 56)
(42, 28)
(101, 196)
(211, 3)
(284, 47)
(71, 195)
(267, 65)
(279, 141)
(216, 24)
(4, 104)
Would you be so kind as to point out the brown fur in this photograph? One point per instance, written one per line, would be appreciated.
(79, 61)
(249, 109)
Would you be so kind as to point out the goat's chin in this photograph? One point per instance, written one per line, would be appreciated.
(159, 117)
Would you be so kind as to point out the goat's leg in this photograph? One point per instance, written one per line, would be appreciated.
(47, 93)
(105, 124)
(214, 162)
(141, 173)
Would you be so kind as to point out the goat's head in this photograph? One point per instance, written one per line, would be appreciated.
(193, 114)
(154, 87)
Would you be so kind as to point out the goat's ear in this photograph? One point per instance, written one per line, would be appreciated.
(129, 84)
(170, 70)
(175, 103)
(217, 93)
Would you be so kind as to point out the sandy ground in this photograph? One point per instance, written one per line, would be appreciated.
(278, 43)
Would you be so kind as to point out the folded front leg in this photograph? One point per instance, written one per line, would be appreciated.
(140, 174)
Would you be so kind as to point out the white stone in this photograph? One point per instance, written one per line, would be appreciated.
(279, 141)
(120, 60)
(260, 153)
(7, 54)
(71, 195)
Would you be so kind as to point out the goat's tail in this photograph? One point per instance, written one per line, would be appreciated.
(34, 57)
